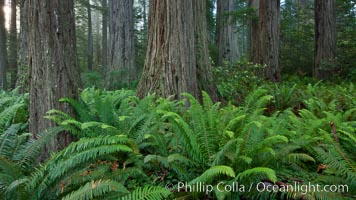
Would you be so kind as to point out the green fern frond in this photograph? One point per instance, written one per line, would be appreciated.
(76, 154)
(29, 151)
(148, 193)
(213, 172)
(7, 115)
(258, 174)
(188, 136)
(80, 107)
(96, 189)
(297, 157)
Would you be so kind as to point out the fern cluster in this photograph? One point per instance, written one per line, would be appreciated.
(132, 148)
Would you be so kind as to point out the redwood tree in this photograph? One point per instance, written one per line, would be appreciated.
(23, 69)
(13, 44)
(122, 54)
(226, 32)
(90, 37)
(269, 25)
(3, 51)
(253, 40)
(204, 68)
(170, 66)
(53, 63)
(325, 38)
(105, 34)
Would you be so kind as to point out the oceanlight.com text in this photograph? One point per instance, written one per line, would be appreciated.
(260, 187)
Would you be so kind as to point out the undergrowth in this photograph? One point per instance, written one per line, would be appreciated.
(151, 148)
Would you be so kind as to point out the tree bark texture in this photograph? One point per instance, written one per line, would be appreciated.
(253, 40)
(90, 38)
(22, 81)
(226, 32)
(204, 69)
(122, 54)
(3, 49)
(269, 25)
(13, 45)
(170, 65)
(105, 34)
(53, 64)
(325, 38)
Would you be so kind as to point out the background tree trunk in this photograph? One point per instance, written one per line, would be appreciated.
(105, 34)
(302, 3)
(90, 38)
(253, 39)
(3, 49)
(226, 32)
(122, 58)
(204, 73)
(53, 64)
(269, 38)
(22, 81)
(13, 45)
(98, 51)
(325, 38)
(170, 66)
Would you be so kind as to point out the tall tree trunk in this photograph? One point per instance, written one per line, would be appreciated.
(269, 38)
(105, 34)
(170, 66)
(204, 73)
(98, 51)
(253, 40)
(53, 64)
(3, 49)
(325, 38)
(122, 58)
(22, 81)
(90, 38)
(13, 45)
(226, 32)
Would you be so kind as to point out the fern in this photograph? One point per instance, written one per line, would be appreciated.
(148, 193)
(72, 157)
(214, 172)
(95, 189)
(258, 174)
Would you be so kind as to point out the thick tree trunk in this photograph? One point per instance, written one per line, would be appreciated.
(53, 64)
(22, 81)
(269, 38)
(90, 38)
(253, 40)
(325, 38)
(13, 45)
(204, 73)
(226, 33)
(3, 49)
(122, 58)
(105, 35)
(170, 66)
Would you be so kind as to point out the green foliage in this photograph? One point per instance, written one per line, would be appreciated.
(297, 38)
(148, 193)
(346, 32)
(131, 148)
(235, 81)
(13, 109)
(92, 79)
(95, 189)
